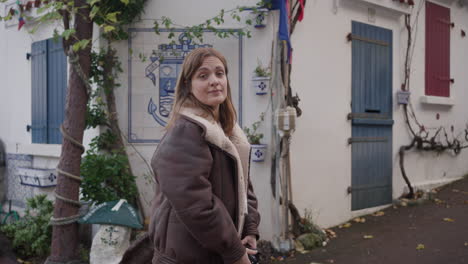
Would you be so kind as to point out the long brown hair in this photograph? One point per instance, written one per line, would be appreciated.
(183, 92)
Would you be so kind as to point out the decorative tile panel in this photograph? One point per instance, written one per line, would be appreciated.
(152, 80)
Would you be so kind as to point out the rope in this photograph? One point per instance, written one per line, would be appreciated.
(78, 178)
(74, 202)
(64, 220)
(68, 219)
(72, 140)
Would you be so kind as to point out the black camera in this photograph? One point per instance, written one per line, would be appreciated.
(253, 258)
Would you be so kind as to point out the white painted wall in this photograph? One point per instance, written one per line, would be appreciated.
(321, 75)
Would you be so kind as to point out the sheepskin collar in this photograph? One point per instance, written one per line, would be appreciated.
(236, 145)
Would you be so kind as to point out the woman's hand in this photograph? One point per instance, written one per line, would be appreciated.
(251, 242)
(243, 260)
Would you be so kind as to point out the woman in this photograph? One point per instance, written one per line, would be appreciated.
(205, 210)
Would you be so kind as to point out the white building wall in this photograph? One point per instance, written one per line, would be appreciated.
(321, 157)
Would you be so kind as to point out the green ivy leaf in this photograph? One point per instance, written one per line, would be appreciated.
(67, 33)
(112, 16)
(80, 45)
(92, 2)
(93, 12)
(126, 2)
(108, 28)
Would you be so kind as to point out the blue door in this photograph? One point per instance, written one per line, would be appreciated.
(371, 116)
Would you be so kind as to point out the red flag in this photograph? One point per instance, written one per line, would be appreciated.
(301, 10)
(21, 23)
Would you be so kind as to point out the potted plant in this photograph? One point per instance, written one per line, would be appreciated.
(261, 80)
(260, 17)
(258, 150)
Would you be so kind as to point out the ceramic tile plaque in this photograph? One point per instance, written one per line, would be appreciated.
(154, 64)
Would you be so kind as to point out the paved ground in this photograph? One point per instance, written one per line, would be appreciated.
(435, 232)
(6, 255)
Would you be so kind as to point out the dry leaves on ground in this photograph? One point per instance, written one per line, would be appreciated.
(368, 236)
(330, 233)
(359, 220)
(345, 225)
(379, 213)
(420, 247)
(446, 219)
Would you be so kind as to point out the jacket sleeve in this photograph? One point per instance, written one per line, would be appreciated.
(252, 219)
(183, 166)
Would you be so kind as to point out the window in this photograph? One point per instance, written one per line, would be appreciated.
(437, 50)
(49, 85)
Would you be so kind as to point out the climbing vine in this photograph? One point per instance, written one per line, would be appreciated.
(435, 139)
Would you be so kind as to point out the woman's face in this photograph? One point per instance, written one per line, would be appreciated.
(209, 83)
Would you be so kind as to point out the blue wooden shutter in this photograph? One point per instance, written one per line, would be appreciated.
(56, 89)
(39, 91)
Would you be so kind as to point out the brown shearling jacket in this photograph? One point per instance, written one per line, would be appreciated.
(201, 211)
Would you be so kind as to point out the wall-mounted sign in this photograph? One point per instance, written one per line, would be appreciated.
(37, 177)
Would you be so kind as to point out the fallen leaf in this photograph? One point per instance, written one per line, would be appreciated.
(403, 203)
(448, 219)
(466, 244)
(466, 202)
(345, 225)
(379, 213)
(330, 233)
(359, 220)
(368, 236)
(420, 247)
(438, 201)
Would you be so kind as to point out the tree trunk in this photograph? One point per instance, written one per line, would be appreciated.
(65, 237)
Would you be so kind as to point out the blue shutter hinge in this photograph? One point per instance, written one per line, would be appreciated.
(28, 128)
(28, 55)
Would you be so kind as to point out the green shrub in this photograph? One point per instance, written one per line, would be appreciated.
(32, 234)
(106, 177)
